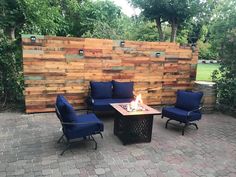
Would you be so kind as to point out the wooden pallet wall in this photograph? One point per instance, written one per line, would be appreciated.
(54, 65)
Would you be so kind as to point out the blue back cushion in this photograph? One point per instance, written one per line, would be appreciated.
(101, 90)
(123, 89)
(66, 110)
(188, 100)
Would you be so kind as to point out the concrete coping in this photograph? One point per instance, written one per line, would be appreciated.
(208, 83)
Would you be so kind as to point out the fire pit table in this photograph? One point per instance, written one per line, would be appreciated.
(133, 126)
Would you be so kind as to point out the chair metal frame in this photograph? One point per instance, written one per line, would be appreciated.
(70, 141)
(187, 122)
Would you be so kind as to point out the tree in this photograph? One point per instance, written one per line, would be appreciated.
(141, 29)
(201, 22)
(174, 12)
(22, 16)
(71, 11)
(135, 28)
(12, 17)
(31, 16)
(93, 13)
(43, 17)
(224, 35)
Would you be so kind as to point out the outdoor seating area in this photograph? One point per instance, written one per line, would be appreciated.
(133, 120)
(111, 101)
(117, 88)
(29, 147)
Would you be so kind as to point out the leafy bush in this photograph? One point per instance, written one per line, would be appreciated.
(138, 29)
(226, 78)
(206, 51)
(11, 76)
(223, 31)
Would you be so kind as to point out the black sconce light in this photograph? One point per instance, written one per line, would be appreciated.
(158, 54)
(122, 43)
(193, 47)
(33, 39)
(81, 52)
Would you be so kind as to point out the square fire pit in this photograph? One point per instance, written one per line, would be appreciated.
(133, 126)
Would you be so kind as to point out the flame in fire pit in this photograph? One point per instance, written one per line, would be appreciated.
(136, 104)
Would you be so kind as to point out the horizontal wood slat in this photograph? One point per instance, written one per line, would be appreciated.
(54, 65)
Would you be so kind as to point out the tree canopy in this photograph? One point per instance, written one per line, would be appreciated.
(173, 11)
(223, 31)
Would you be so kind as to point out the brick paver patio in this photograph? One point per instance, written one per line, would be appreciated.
(28, 148)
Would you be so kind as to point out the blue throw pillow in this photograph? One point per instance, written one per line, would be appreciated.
(123, 89)
(101, 90)
(66, 110)
(188, 100)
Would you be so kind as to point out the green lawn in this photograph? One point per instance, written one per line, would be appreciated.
(204, 71)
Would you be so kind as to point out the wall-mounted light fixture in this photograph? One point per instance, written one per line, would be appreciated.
(158, 54)
(81, 52)
(122, 43)
(33, 39)
(193, 47)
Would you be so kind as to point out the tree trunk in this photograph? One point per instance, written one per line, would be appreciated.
(158, 23)
(174, 28)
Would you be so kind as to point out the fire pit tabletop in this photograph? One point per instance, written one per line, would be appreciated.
(148, 110)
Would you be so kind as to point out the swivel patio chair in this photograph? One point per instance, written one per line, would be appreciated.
(76, 127)
(187, 109)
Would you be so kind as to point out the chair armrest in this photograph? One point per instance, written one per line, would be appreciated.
(198, 109)
(90, 100)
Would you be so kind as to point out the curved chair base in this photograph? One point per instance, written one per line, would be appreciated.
(89, 138)
(167, 122)
(66, 148)
(184, 127)
(61, 138)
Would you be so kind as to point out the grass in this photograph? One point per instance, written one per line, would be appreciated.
(204, 71)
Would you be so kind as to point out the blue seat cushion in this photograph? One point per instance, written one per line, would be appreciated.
(104, 104)
(180, 114)
(67, 112)
(101, 90)
(123, 89)
(188, 100)
(89, 124)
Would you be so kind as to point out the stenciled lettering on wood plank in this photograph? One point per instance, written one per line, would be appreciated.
(65, 65)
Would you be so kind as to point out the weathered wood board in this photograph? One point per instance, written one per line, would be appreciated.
(65, 65)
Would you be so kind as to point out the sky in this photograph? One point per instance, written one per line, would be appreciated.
(126, 7)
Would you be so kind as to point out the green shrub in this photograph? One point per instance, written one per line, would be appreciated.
(11, 75)
(206, 52)
(226, 78)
